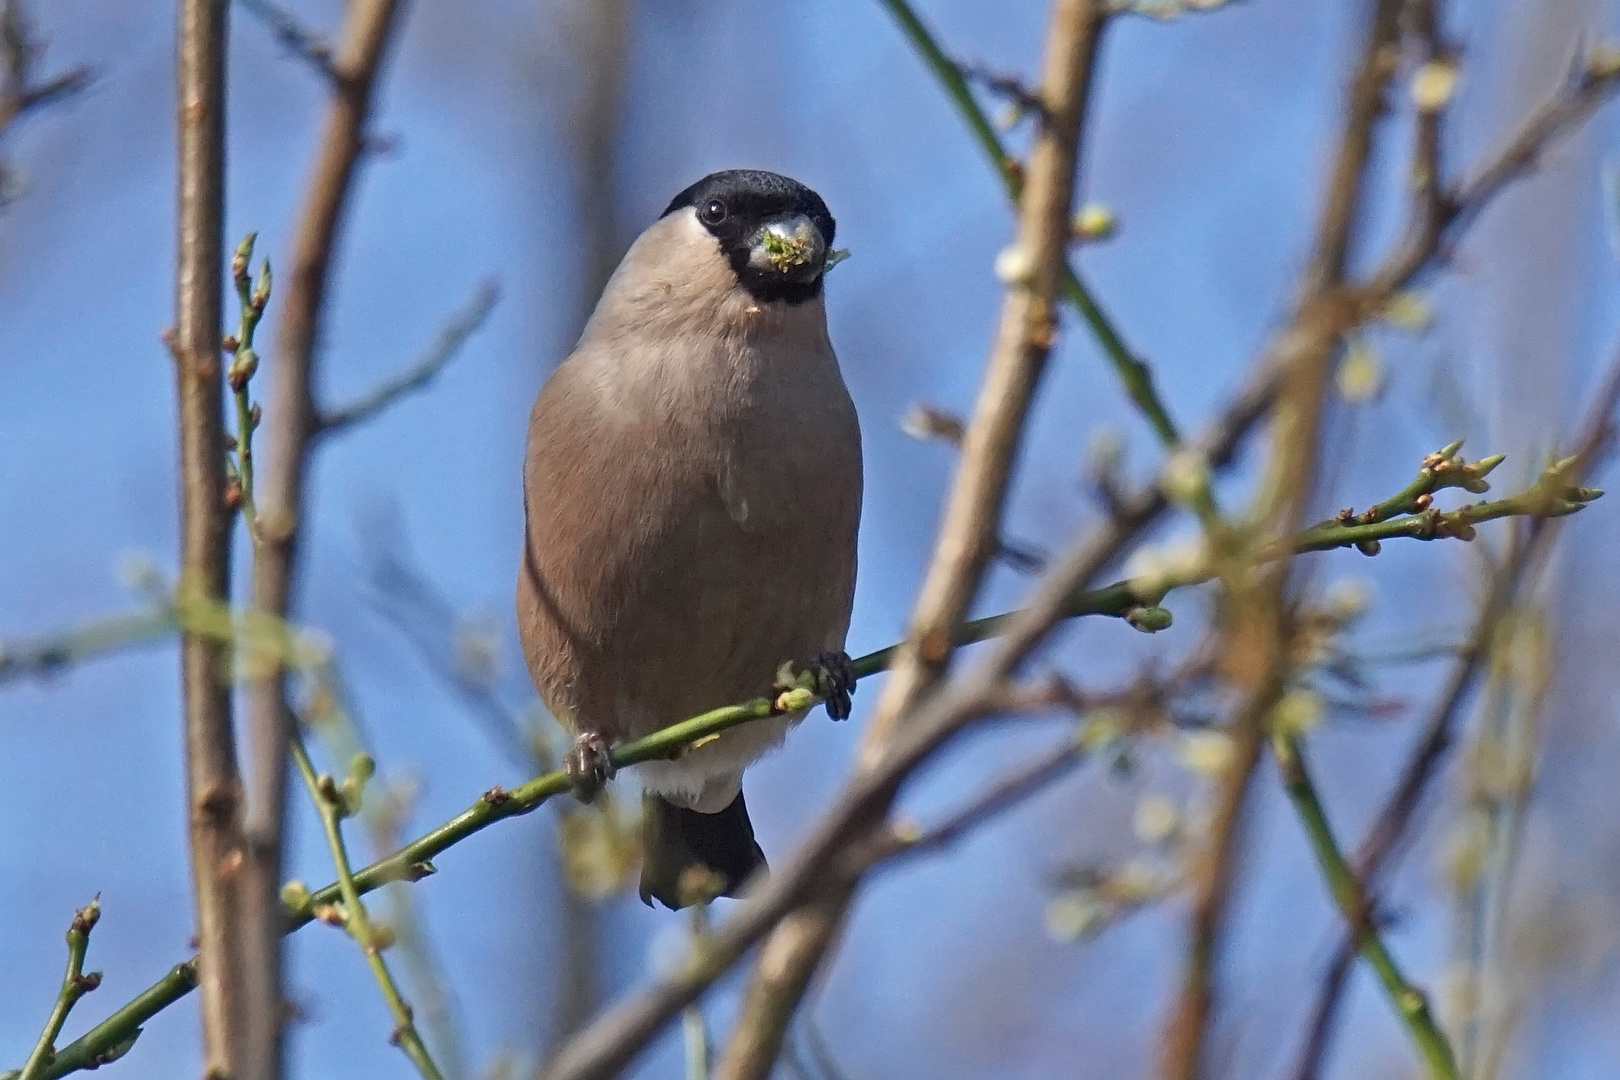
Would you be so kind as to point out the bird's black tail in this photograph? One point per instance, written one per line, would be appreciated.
(688, 857)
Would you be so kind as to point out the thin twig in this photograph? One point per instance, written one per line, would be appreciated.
(368, 30)
(1133, 373)
(51, 654)
(413, 861)
(1386, 838)
(251, 299)
(444, 349)
(330, 804)
(1435, 234)
(1410, 1003)
(75, 984)
(970, 532)
(214, 787)
(300, 40)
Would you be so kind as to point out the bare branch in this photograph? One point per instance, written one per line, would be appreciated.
(290, 429)
(304, 43)
(213, 785)
(20, 53)
(1253, 654)
(970, 532)
(1433, 235)
(1385, 841)
(444, 349)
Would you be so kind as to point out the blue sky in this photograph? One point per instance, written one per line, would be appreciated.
(1209, 141)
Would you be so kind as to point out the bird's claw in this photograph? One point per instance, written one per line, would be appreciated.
(589, 765)
(831, 677)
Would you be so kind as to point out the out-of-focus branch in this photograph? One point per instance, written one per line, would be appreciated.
(444, 349)
(290, 427)
(75, 984)
(304, 43)
(333, 804)
(1133, 373)
(1211, 874)
(1385, 840)
(1258, 622)
(213, 785)
(1064, 597)
(1435, 233)
(969, 534)
(50, 654)
(21, 91)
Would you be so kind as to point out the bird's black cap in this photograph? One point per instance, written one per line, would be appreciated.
(744, 199)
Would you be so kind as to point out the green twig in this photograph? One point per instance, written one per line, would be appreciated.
(75, 984)
(694, 1026)
(1410, 1003)
(252, 296)
(333, 803)
(1552, 495)
(1135, 375)
(51, 653)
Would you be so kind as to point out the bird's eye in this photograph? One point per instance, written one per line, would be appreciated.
(713, 213)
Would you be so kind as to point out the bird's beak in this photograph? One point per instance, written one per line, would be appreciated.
(790, 245)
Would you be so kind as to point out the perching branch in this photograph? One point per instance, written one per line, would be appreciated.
(75, 984)
(213, 785)
(413, 861)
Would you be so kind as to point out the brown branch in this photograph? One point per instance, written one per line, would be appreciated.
(20, 52)
(970, 533)
(1386, 839)
(1212, 874)
(290, 427)
(1433, 235)
(444, 349)
(1255, 653)
(298, 39)
(213, 786)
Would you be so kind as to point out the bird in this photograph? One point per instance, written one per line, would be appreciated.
(692, 487)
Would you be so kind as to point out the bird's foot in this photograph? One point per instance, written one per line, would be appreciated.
(829, 675)
(589, 765)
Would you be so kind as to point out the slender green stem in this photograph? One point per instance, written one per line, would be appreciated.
(75, 984)
(252, 298)
(51, 653)
(694, 1026)
(1411, 1004)
(1135, 375)
(1551, 495)
(353, 918)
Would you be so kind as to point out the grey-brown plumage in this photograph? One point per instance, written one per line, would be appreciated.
(692, 487)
